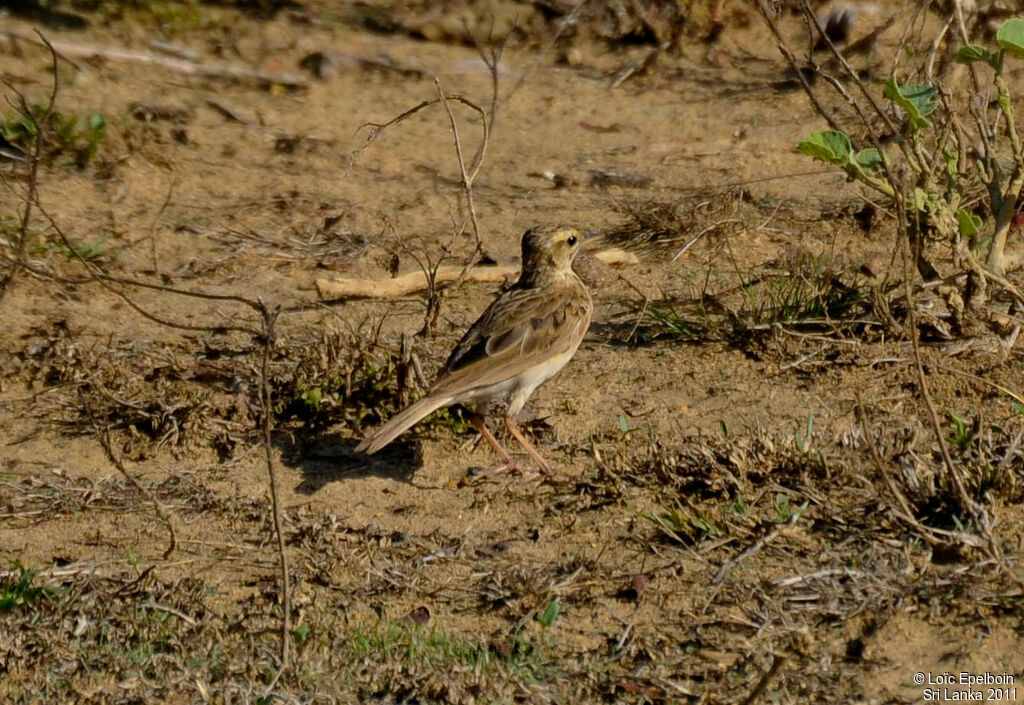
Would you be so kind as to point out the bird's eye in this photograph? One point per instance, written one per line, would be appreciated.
(572, 240)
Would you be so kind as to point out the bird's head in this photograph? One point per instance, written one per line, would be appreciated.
(550, 249)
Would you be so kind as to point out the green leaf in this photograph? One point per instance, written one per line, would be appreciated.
(968, 222)
(312, 397)
(921, 199)
(550, 614)
(1011, 37)
(952, 162)
(706, 527)
(917, 99)
(96, 122)
(869, 159)
(970, 53)
(829, 146)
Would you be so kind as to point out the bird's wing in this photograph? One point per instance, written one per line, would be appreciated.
(521, 329)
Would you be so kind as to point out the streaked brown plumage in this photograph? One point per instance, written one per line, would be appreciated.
(523, 339)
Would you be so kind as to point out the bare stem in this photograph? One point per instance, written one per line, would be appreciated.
(967, 505)
(267, 415)
(467, 177)
(35, 157)
(1007, 207)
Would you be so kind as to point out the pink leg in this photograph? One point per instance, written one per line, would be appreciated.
(480, 425)
(509, 465)
(541, 463)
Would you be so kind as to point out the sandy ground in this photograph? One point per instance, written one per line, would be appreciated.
(719, 509)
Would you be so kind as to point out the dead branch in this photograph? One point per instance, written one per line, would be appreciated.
(266, 423)
(903, 511)
(777, 663)
(104, 435)
(767, 14)
(32, 192)
(119, 286)
(967, 504)
(491, 56)
(407, 283)
(221, 71)
(152, 228)
(467, 176)
(375, 129)
(418, 281)
(107, 281)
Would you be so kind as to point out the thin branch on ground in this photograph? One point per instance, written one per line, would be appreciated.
(103, 433)
(269, 317)
(777, 663)
(223, 71)
(116, 285)
(967, 504)
(34, 158)
(783, 47)
(156, 220)
(467, 176)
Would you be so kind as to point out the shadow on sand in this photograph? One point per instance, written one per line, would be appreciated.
(327, 456)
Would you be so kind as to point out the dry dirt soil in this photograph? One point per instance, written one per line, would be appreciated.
(751, 503)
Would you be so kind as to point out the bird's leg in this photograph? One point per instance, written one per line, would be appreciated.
(541, 463)
(481, 426)
(508, 465)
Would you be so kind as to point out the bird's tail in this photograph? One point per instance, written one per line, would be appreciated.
(399, 423)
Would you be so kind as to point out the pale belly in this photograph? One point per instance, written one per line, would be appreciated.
(514, 392)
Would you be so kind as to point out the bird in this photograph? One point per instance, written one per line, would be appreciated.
(9, 150)
(527, 334)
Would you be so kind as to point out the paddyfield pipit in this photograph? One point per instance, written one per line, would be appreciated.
(522, 340)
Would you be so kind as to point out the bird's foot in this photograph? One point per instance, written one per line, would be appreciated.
(525, 472)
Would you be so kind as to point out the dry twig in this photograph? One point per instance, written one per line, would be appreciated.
(117, 286)
(231, 72)
(348, 288)
(269, 318)
(32, 188)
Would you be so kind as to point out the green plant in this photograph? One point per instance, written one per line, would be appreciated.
(19, 129)
(93, 131)
(92, 250)
(804, 440)
(550, 613)
(17, 592)
(963, 435)
(961, 191)
(624, 428)
(676, 325)
(320, 388)
(812, 290)
(450, 417)
(80, 136)
(739, 506)
(416, 646)
(684, 528)
(788, 515)
(95, 251)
